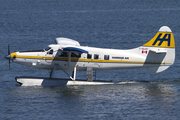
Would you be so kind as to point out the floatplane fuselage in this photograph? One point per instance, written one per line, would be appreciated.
(67, 55)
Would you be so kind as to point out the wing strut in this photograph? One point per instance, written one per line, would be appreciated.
(69, 58)
(53, 71)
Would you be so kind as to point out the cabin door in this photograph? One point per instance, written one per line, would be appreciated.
(49, 56)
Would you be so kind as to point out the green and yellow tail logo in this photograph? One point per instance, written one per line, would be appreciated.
(163, 38)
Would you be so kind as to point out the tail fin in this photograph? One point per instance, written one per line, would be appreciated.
(161, 50)
(163, 38)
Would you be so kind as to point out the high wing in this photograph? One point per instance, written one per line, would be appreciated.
(66, 41)
(72, 45)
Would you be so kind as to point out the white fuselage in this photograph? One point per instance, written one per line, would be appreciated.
(156, 55)
(97, 58)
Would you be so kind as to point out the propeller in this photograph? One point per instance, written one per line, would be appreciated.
(8, 50)
(8, 56)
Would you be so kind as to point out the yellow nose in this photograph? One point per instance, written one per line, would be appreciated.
(14, 55)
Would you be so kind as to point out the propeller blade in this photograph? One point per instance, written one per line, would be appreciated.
(8, 50)
(9, 64)
(9, 56)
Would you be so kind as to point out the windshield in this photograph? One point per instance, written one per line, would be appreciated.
(48, 48)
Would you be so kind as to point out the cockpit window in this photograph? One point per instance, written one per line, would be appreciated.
(48, 48)
(59, 53)
(50, 52)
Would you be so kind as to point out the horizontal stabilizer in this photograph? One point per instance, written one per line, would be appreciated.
(75, 49)
(158, 51)
(157, 69)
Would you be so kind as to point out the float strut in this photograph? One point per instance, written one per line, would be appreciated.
(67, 73)
(89, 74)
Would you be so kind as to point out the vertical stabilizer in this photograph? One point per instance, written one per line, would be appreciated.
(161, 49)
(163, 38)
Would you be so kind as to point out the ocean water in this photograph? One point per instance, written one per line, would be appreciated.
(118, 24)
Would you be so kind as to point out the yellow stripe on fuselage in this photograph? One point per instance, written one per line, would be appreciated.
(82, 60)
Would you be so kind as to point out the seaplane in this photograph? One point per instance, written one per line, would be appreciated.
(156, 55)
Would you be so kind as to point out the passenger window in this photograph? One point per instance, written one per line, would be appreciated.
(96, 56)
(64, 54)
(50, 52)
(106, 57)
(89, 56)
(75, 54)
